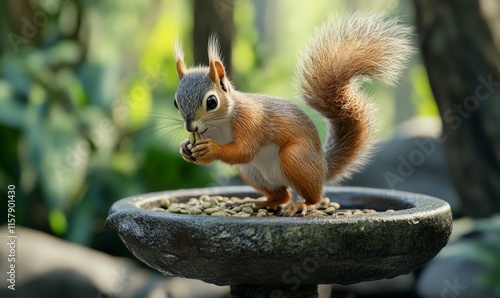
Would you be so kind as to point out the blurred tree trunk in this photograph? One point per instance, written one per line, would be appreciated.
(213, 16)
(463, 67)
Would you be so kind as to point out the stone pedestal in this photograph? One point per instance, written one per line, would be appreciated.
(259, 255)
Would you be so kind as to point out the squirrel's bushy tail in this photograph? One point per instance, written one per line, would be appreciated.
(338, 53)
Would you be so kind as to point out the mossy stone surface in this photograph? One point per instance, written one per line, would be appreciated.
(287, 251)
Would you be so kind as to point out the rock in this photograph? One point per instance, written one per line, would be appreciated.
(456, 270)
(48, 267)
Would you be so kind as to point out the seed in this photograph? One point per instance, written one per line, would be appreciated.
(241, 214)
(195, 211)
(213, 201)
(204, 198)
(209, 211)
(330, 210)
(193, 202)
(334, 205)
(165, 203)
(218, 213)
(219, 199)
(247, 209)
(237, 208)
(316, 213)
(191, 139)
(234, 206)
(174, 209)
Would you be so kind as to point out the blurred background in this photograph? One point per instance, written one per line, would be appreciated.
(87, 118)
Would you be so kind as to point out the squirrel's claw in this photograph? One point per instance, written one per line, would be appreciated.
(186, 153)
(293, 209)
(205, 151)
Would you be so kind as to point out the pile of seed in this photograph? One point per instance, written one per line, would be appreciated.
(238, 207)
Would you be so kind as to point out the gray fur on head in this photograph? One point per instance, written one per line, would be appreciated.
(192, 87)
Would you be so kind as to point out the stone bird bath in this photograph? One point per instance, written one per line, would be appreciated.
(285, 257)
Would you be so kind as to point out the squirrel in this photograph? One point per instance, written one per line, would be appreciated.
(273, 143)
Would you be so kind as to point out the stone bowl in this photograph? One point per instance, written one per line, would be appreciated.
(286, 251)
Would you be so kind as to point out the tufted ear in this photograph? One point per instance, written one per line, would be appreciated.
(217, 71)
(179, 59)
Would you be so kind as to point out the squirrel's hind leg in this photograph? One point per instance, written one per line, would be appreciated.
(275, 195)
(306, 174)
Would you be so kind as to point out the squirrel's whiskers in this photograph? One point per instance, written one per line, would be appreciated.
(170, 128)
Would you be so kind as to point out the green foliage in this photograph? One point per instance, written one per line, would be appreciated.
(85, 122)
(422, 94)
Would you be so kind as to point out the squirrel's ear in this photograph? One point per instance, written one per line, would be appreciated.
(179, 59)
(217, 71)
(181, 69)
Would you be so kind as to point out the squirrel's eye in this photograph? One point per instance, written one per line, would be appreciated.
(175, 104)
(212, 102)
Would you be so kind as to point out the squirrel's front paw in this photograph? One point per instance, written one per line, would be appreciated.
(206, 151)
(186, 152)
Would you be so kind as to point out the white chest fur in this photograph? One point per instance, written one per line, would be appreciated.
(221, 133)
(265, 168)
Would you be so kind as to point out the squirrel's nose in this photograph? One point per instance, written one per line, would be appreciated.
(191, 126)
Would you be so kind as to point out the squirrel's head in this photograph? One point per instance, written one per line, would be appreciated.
(204, 94)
